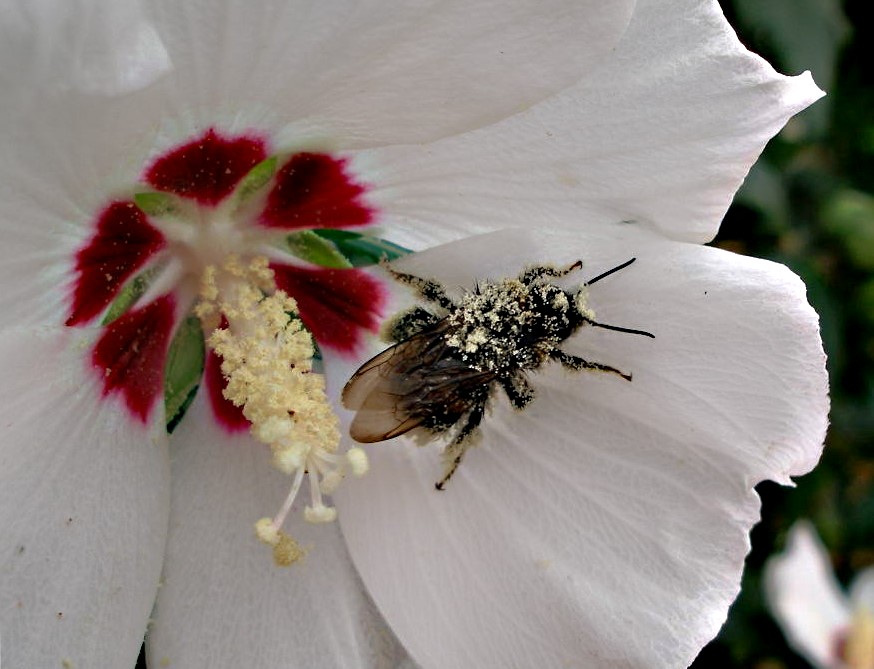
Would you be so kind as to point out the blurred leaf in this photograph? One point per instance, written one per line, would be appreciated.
(849, 216)
(866, 138)
(865, 300)
(765, 191)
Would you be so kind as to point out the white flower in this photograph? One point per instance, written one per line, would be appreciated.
(832, 630)
(519, 569)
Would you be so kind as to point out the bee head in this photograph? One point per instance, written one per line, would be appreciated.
(580, 300)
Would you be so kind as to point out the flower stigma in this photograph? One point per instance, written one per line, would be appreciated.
(267, 359)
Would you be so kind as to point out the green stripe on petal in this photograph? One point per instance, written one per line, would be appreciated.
(128, 295)
(312, 247)
(257, 178)
(185, 361)
(156, 204)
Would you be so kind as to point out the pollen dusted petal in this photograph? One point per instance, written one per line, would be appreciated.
(206, 169)
(124, 241)
(315, 190)
(336, 305)
(228, 415)
(130, 355)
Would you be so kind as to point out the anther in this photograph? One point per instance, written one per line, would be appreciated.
(358, 461)
(267, 362)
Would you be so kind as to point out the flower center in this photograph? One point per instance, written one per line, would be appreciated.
(199, 270)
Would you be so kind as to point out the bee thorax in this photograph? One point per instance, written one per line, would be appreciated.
(510, 324)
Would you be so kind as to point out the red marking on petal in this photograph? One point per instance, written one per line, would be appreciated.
(206, 169)
(131, 353)
(123, 242)
(336, 305)
(228, 415)
(314, 190)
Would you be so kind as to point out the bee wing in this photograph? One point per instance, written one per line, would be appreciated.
(372, 376)
(395, 391)
(377, 390)
(369, 427)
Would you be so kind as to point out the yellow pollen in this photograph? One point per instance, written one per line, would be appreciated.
(286, 551)
(267, 363)
(581, 299)
(358, 461)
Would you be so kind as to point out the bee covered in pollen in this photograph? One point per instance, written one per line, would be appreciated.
(440, 375)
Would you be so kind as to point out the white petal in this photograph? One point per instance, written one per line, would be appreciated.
(83, 46)
(373, 72)
(607, 524)
(84, 499)
(222, 602)
(664, 132)
(805, 597)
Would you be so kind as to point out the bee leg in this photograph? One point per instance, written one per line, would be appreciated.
(427, 288)
(533, 273)
(409, 323)
(518, 390)
(576, 363)
(455, 451)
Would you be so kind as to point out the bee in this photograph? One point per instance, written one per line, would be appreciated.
(447, 362)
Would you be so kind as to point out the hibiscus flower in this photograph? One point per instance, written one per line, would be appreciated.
(831, 629)
(119, 120)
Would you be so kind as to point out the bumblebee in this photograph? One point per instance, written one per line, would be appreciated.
(447, 362)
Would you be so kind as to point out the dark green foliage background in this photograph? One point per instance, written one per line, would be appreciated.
(809, 203)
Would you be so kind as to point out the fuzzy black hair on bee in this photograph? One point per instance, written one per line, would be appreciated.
(448, 361)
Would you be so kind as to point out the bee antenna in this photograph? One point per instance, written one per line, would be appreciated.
(616, 328)
(609, 272)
